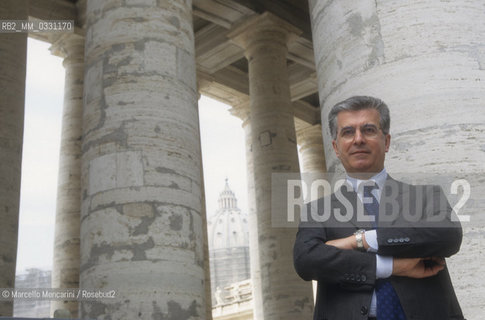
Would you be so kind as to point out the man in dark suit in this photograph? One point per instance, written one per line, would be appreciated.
(385, 261)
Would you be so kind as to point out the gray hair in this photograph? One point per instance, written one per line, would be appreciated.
(359, 103)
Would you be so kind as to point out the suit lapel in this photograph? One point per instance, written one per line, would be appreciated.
(356, 209)
(394, 195)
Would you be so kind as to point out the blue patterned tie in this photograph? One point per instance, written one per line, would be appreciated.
(388, 305)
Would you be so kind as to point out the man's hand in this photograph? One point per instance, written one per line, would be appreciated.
(417, 267)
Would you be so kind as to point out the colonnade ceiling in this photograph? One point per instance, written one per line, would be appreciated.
(222, 69)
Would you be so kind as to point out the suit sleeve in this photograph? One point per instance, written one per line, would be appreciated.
(437, 232)
(314, 260)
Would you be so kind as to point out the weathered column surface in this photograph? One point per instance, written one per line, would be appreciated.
(426, 60)
(142, 208)
(13, 54)
(312, 159)
(311, 149)
(207, 273)
(65, 272)
(242, 111)
(284, 295)
(205, 241)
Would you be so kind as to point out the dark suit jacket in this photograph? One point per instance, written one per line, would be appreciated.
(422, 227)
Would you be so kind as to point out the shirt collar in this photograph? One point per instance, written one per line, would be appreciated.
(379, 179)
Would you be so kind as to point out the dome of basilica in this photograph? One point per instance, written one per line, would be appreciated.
(228, 244)
(228, 227)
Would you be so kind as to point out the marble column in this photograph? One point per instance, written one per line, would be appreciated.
(265, 38)
(426, 60)
(65, 272)
(242, 112)
(205, 238)
(310, 141)
(142, 223)
(13, 55)
(313, 164)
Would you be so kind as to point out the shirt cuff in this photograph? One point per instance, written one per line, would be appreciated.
(384, 266)
(371, 239)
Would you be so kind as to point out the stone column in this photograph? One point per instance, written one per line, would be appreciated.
(13, 54)
(426, 60)
(142, 193)
(311, 149)
(265, 38)
(242, 111)
(205, 239)
(65, 273)
(207, 273)
(312, 159)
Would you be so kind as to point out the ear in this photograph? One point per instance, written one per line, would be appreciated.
(335, 148)
(388, 141)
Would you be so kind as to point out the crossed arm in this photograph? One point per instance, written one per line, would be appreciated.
(318, 256)
(405, 267)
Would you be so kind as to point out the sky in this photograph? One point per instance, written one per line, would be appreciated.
(223, 153)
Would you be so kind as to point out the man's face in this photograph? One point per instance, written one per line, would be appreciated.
(361, 145)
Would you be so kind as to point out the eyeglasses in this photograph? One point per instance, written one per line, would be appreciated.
(369, 131)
